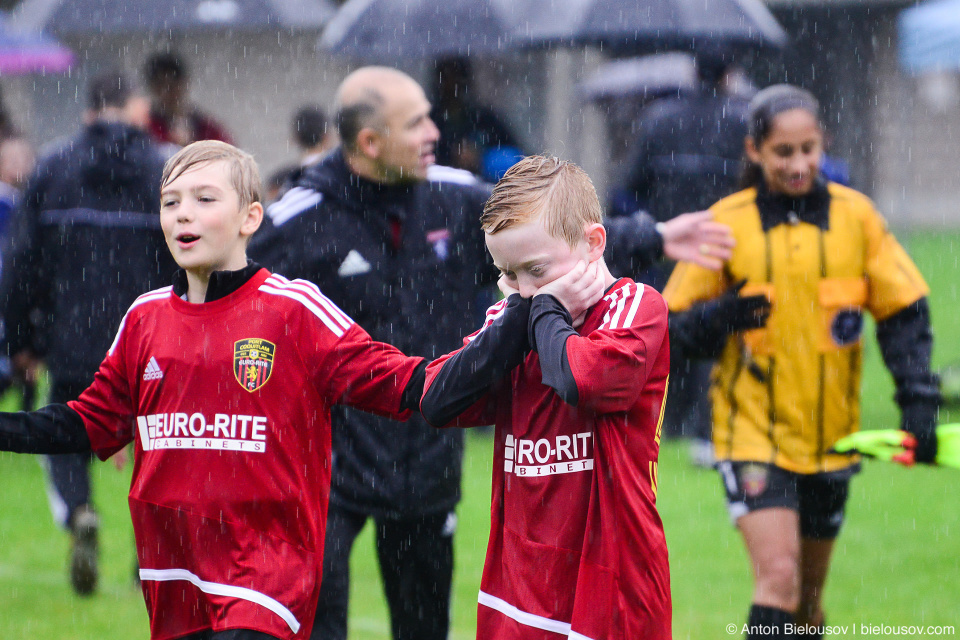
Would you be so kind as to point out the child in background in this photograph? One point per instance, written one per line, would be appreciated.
(572, 369)
(224, 381)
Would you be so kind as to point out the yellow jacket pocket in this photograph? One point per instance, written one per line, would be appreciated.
(841, 304)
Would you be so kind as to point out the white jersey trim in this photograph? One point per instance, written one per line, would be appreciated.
(218, 589)
(523, 617)
(328, 315)
(618, 302)
(150, 296)
(314, 292)
(292, 204)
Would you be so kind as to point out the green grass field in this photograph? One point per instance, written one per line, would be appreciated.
(897, 561)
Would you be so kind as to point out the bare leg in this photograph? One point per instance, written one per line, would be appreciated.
(772, 538)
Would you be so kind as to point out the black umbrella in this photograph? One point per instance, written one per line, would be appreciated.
(67, 17)
(388, 29)
(645, 77)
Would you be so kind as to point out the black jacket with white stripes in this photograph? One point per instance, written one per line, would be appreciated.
(86, 242)
(409, 264)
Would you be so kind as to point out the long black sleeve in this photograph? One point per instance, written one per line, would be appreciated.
(56, 428)
(696, 332)
(470, 373)
(414, 389)
(906, 343)
(550, 326)
(633, 243)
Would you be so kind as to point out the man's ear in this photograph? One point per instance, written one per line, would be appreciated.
(253, 217)
(595, 236)
(369, 142)
(750, 148)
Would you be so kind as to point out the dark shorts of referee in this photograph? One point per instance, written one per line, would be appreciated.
(818, 498)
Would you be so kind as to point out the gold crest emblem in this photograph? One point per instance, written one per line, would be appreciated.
(253, 362)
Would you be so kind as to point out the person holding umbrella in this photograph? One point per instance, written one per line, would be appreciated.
(686, 157)
(784, 318)
(392, 238)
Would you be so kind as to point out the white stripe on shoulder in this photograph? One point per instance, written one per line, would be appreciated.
(315, 294)
(616, 304)
(523, 617)
(440, 173)
(306, 301)
(292, 204)
(150, 296)
(637, 296)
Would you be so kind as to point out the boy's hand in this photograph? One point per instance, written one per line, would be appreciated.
(578, 290)
(505, 288)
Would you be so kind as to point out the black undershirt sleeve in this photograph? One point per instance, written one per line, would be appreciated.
(696, 332)
(549, 327)
(414, 389)
(56, 428)
(470, 373)
(906, 342)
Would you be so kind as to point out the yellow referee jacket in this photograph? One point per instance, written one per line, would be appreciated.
(786, 393)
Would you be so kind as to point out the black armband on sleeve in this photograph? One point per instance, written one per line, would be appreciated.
(906, 343)
(550, 326)
(470, 373)
(414, 389)
(56, 428)
(633, 243)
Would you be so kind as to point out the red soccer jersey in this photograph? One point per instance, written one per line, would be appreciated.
(229, 405)
(576, 544)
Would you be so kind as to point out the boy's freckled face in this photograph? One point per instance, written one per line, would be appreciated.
(201, 219)
(528, 257)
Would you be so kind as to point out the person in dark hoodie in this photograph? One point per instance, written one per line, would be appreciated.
(86, 242)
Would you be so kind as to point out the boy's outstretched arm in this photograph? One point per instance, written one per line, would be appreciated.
(458, 380)
(56, 428)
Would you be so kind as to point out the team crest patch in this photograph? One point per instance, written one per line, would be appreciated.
(253, 362)
(753, 478)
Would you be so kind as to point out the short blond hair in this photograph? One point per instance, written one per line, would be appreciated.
(244, 174)
(558, 189)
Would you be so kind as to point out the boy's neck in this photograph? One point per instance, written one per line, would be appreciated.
(608, 278)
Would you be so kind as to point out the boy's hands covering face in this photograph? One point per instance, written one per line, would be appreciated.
(577, 290)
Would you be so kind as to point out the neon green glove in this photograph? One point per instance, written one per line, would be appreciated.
(898, 446)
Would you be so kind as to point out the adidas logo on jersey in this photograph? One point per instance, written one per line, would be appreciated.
(353, 265)
(152, 372)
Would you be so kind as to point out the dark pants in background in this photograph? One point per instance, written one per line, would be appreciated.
(416, 564)
(687, 413)
(69, 472)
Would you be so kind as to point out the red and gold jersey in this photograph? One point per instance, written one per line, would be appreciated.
(576, 545)
(228, 404)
